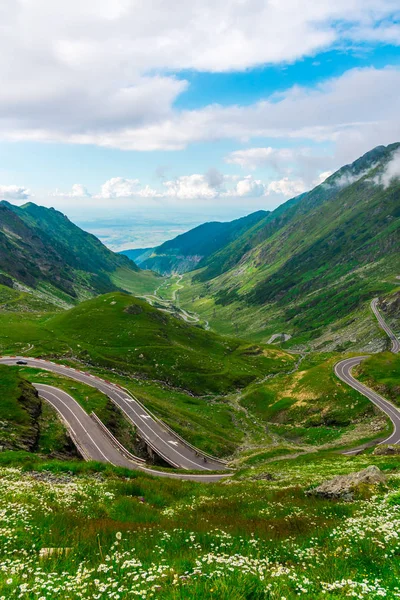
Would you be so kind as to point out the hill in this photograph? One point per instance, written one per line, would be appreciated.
(189, 250)
(28, 424)
(313, 260)
(126, 334)
(94, 531)
(40, 248)
(137, 254)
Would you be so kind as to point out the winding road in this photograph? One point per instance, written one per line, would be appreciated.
(95, 444)
(343, 370)
(390, 333)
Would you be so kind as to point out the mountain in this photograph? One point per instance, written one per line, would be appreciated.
(137, 254)
(314, 259)
(188, 250)
(42, 249)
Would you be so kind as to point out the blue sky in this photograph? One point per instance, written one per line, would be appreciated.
(141, 120)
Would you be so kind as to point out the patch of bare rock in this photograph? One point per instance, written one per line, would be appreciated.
(345, 486)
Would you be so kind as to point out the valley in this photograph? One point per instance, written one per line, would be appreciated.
(257, 360)
(199, 300)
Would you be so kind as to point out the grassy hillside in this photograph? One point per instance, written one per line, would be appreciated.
(42, 250)
(180, 372)
(382, 372)
(310, 263)
(312, 407)
(20, 409)
(127, 334)
(218, 392)
(27, 423)
(115, 534)
(189, 250)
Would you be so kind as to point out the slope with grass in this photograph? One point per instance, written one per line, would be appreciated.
(189, 250)
(311, 263)
(312, 408)
(20, 408)
(126, 334)
(108, 533)
(26, 423)
(41, 250)
(180, 372)
(381, 372)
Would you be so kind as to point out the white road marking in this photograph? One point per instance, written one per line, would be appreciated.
(72, 412)
(108, 385)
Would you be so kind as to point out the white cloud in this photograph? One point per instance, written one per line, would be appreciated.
(253, 158)
(322, 177)
(299, 113)
(78, 191)
(118, 187)
(195, 187)
(190, 187)
(290, 163)
(287, 187)
(391, 171)
(249, 187)
(14, 192)
(348, 178)
(99, 72)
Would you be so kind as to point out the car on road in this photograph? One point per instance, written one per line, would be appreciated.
(21, 362)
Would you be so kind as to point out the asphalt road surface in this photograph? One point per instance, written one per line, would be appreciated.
(393, 338)
(93, 443)
(173, 449)
(343, 371)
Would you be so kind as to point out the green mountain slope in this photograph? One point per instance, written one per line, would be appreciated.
(316, 258)
(189, 250)
(137, 254)
(124, 333)
(40, 248)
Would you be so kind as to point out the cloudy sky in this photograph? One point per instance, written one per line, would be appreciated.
(169, 113)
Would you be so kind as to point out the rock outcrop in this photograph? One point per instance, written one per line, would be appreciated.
(345, 486)
(386, 450)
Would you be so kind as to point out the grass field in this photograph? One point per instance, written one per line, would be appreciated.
(313, 407)
(122, 333)
(27, 423)
(136, 283)
(382, 372)
(182, 373)
(348, 324)
(107, 533)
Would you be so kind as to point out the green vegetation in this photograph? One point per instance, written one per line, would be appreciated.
(20, 408)
(178, 371)
(23, 302)
(308, 265)
(191, 378)
(119, 332)
(26, 423)
(189, 250)
(59, 262)
(126, 334)
(109, 533)
(313, 407)
(382, 372)
(137, 283)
